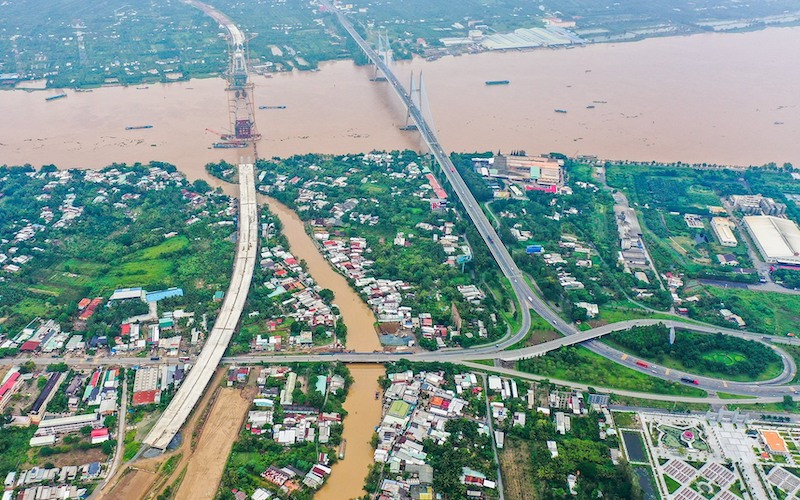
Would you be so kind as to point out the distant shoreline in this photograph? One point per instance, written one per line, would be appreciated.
(204, 76)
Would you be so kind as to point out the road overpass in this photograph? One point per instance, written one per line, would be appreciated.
(198, 378)
(526, 296)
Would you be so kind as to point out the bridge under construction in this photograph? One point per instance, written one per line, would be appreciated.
(241, 107)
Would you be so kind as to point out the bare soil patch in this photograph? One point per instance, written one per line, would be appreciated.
(517, 470)
(220, 430)
(134, 484)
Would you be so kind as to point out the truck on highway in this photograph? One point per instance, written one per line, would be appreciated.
(688, 380)
(642, 364)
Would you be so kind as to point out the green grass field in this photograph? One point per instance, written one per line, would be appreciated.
(770, 371)
(167, 247)
(584, 366)
(726, 358)
(146, 267)
(540, 331)
(773, 313)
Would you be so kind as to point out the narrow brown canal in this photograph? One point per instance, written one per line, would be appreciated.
(363, 410)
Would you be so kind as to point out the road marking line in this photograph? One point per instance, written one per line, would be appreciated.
(624, 357)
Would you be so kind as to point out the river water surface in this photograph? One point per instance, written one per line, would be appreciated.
(728, 99)
(363, 409)
(716, 98)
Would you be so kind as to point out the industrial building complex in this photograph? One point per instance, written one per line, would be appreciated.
(777, 239)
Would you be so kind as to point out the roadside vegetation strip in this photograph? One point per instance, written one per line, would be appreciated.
(584, 366)
(727, 395)
(676, 406)
(132, 446)
(540, 331)
(785, 406)
(709, 355)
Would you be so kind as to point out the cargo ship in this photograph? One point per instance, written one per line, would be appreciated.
(497, 82)
(560, 110)
(137, 127)
(229, 145)
(54, 97)
(272, 107)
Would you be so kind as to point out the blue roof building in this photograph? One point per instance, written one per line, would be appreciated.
(164, 294)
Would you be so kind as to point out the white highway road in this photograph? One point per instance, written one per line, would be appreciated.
(196, 381)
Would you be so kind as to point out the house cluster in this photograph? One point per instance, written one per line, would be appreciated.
(578, 254)
(299, 297)
(65, 212)
(288, 479)
(151, 331)
(455, 246)
(47, 338)
(633, 253)
(151, 381)
(90, 398)
(41, 483)
(37, 336)
(137, 333)
(99, 393)
(417, 407)
(674, 282)
(300, 423)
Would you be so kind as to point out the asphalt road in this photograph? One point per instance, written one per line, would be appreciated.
(526, 296)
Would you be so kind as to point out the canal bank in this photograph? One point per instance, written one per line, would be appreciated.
(363, 409)
(358, 317)
(363, 414)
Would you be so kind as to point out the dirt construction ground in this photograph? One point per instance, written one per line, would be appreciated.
(135, 484)
(142, 480)
(220, 430)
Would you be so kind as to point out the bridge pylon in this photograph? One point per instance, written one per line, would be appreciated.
(415, 91)
(384, 51)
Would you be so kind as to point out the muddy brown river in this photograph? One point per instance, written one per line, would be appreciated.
(716, 98)
(728, 99)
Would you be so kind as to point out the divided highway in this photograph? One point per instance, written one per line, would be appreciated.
(199, 376)
(525, 295)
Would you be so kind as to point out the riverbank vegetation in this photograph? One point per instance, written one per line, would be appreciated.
(418, 256)
(72, 44)
(719, 356)
(113, 43)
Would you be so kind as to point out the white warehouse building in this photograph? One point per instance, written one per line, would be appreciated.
(778, 239)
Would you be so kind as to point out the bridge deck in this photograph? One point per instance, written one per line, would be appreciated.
(196, 381)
